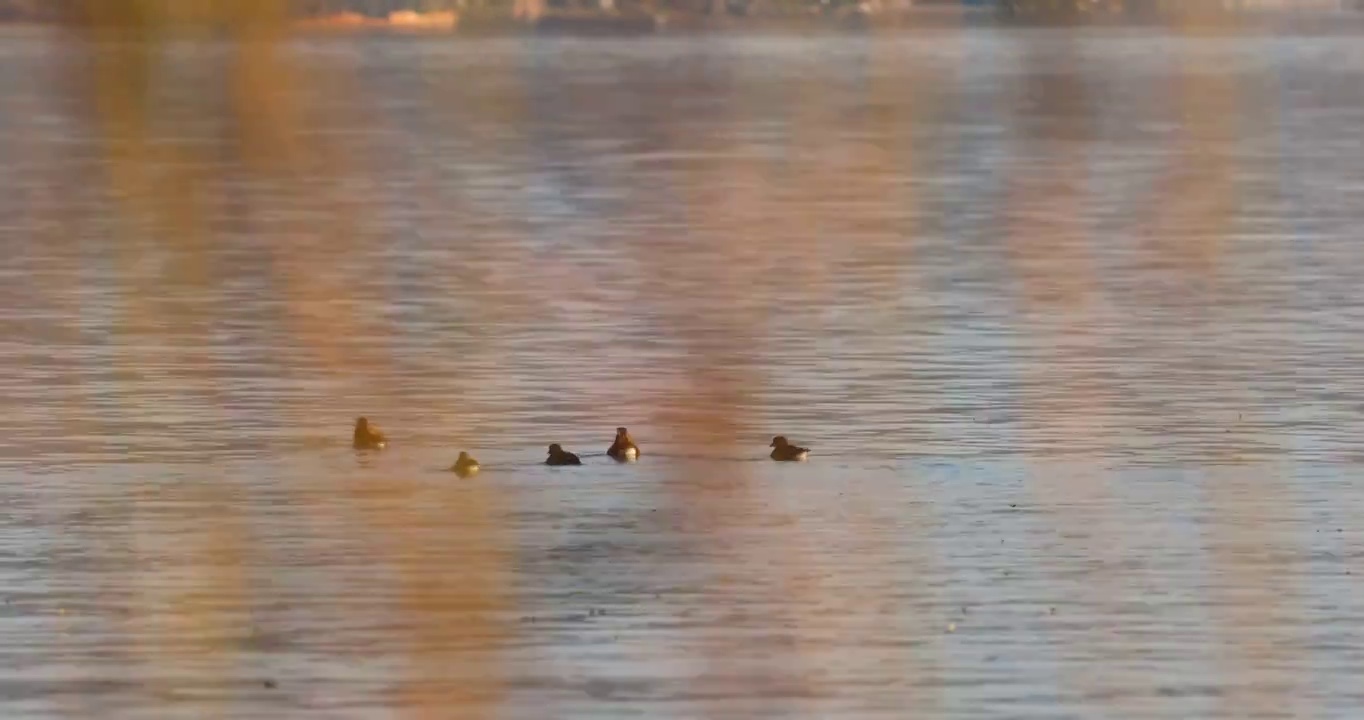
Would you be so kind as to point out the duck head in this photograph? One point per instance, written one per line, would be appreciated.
(779, 441)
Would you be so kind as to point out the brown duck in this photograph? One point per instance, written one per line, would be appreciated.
(560, 456)
(367, 437)
(783, 451)
(624, 448)
(465, 466)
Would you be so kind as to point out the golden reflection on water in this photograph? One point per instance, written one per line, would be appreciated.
(450, 616)
(1050, 245)
(1247, 542)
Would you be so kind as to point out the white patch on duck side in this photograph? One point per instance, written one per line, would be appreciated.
(800, 457)
(629, 453)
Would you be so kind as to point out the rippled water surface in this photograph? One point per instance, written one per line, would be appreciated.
(1071, 319)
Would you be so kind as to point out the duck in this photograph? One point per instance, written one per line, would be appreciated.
(624, 448)
(367, 437)
(560, 456)
(465, 466)
(783, 451)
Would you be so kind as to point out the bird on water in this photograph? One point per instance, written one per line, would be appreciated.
(624, 448)
(560, 456)
(367, 436)
(465, 466)
(783, 451)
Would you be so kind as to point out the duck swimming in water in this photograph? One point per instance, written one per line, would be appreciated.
(367, 437)
(465, 466)
(624, 448)
(560, 456)
(783, 451)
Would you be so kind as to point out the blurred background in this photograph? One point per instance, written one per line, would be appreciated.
(1063, 295)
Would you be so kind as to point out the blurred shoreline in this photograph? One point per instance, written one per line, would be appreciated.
(634, 23)
(833, 15)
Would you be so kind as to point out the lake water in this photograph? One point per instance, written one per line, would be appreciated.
(1071, 319)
